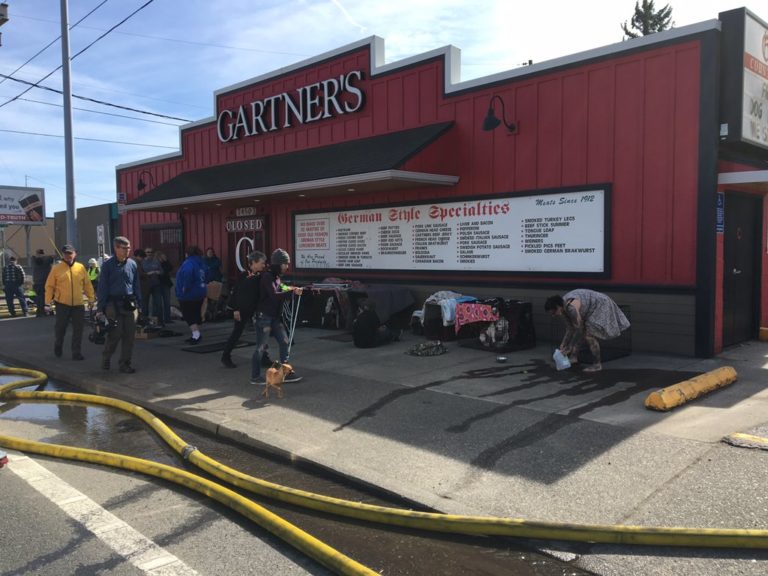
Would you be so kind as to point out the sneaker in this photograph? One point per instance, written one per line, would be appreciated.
(257, 382)
(78, 357)
(292, 377)
(193, 340)
(227, 361)
(127, 369)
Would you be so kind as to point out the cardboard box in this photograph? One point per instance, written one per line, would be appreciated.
(214, 290)
(142, 335)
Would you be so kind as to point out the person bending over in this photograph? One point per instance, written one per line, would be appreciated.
(589, 316)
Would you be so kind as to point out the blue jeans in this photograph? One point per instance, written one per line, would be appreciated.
(264, 327)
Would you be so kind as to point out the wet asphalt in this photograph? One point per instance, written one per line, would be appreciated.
(462, 433)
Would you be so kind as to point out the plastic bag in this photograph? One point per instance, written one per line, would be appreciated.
(561, 360)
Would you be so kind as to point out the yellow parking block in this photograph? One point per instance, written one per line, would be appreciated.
(747, 440)
(680, 393)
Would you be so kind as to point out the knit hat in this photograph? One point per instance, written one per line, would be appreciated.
(92, 262)
(280, 256)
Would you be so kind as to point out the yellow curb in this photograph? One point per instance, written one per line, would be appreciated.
(748, 438)
(763, 336)
(680, 393)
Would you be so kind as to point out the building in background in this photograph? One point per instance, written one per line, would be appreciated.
(96, 225)
(639, 169)
(13, 241)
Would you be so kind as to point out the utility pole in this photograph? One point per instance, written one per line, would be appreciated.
(3, 20)
(69, 151)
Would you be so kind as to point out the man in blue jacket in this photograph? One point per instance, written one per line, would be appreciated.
(192, 290)
(118, 300)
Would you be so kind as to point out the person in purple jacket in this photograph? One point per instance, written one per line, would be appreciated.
(268, 319)
(192, 290)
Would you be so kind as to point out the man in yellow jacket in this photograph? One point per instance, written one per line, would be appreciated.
(65, 286)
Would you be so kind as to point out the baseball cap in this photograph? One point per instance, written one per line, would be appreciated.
(67, 248)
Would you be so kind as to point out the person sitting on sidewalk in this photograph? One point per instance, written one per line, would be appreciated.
(243, 300)
(367, 329)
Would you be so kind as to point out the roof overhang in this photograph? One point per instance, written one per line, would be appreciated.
(340, 185)
(372, 164)
(754, 181)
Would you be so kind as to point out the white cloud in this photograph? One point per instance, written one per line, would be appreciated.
(172, 56)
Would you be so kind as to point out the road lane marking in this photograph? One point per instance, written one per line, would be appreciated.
(122, 538)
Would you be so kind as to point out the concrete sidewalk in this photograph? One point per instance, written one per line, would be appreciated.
(464, 434)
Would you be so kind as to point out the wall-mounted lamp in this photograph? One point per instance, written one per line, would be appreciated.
(491, 122)
(140, 185)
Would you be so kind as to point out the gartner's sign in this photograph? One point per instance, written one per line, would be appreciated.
(325, 99)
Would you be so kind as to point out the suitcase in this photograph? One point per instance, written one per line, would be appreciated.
(513, 330)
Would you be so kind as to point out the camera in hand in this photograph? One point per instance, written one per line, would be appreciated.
(100, 329)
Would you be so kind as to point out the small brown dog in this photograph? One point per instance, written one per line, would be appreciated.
(275, 377)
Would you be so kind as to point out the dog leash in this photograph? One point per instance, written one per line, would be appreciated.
(294, 319)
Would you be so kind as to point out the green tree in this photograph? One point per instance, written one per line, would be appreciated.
(647, 20)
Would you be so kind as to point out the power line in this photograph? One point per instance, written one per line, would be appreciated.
(123, 21)
(52, 42)
(102, 102)
(89, 139)
(37, 84)
(99, 112)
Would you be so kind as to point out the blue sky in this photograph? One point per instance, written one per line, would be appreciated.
(169, 58)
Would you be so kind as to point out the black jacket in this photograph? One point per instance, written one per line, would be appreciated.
(245, 295)
(13, 274)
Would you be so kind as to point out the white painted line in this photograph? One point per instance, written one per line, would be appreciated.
(122, 538)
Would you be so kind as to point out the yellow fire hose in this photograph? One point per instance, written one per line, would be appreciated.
(302, 541)
(456, 524)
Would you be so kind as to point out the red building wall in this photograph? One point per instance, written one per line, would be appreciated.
(630, 120)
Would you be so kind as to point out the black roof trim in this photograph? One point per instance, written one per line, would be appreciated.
(377, 153)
